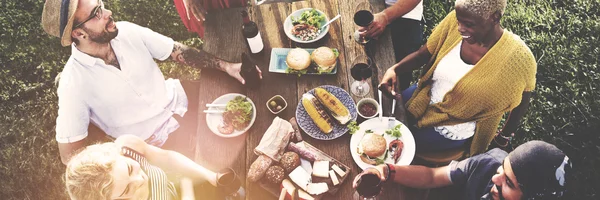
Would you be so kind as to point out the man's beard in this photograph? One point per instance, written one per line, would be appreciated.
(489, 195)
(104, 36)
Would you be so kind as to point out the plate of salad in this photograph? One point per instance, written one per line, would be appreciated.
(399, 143)
(233, 115)
(304, 25)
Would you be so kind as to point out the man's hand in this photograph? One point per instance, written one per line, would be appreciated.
(380, 21)
(234, 70)
(195, 7)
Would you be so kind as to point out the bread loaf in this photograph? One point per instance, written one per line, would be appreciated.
(259, 167)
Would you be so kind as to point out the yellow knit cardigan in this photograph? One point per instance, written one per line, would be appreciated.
(493, 87)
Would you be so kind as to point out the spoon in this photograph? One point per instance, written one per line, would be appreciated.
(329, 22)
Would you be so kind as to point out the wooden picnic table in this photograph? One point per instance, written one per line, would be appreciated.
(224, 39)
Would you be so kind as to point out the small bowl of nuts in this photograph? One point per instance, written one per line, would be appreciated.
(276, 104)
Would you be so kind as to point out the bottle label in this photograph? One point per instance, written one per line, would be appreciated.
(255, 43)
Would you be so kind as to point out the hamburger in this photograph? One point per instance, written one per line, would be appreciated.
(372, 149)
(325, 58)
(297, 61)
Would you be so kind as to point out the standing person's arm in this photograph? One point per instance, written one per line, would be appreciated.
(169, 161)
(385, 17)
(201, 59)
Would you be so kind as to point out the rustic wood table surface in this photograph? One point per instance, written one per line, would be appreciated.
(224, 39)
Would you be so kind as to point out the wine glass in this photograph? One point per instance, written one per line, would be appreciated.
(368, 186)
(363, 17)
(361, 70)
(229, 185)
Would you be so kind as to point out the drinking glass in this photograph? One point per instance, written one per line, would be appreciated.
(368, 186)
(229, 185)
(361, 70)
(363, 17)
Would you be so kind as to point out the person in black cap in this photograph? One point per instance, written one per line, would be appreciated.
(534, 170)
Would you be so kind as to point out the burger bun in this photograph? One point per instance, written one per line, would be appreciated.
(298, 59)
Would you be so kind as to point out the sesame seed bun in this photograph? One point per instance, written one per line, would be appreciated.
(373, 145)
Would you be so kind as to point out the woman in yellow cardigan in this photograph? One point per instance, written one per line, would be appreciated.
(477, 71)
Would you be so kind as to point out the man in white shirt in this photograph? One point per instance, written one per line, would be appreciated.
(404, 19)
(111, 78)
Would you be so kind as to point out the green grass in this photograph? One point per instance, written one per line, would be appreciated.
(565, 108)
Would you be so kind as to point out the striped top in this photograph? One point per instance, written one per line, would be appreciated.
(160, 187)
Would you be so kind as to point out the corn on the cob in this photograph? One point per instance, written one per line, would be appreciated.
(317, 113)
(334, 105)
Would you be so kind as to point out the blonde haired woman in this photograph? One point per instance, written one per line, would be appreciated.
(128, 169)
(475, 72)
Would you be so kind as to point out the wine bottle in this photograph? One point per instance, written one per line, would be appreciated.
(251, 33)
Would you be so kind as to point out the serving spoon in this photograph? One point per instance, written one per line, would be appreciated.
(329, 22)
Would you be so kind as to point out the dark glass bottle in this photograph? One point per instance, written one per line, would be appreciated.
(251, 33)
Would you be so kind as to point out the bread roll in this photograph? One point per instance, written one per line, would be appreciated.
(289, 161)
(275, 174)
(374, 145)
(298, 59)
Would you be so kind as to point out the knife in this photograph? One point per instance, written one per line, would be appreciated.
(296, 129)
(380, 110)
(392, 119)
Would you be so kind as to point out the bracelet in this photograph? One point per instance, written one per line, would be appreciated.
(391, 170)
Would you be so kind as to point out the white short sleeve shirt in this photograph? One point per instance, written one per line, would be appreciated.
(134, 100)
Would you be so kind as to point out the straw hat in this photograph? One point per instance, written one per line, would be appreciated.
(58, 17)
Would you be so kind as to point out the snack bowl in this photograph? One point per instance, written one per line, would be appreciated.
(365, 102)
(279, 102)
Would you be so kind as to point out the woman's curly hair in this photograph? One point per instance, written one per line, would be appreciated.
(483, 8)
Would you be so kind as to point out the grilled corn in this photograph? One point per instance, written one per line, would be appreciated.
(317, 113)
(334, 105)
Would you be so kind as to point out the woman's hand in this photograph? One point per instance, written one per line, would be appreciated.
(195, 7)
(234, 70)
(380, 21)
(389, 77)
(378, 170)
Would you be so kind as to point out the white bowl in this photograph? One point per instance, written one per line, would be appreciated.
(287, 26)
(213, 120)
(367, 100)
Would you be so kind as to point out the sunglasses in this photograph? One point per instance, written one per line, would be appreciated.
(96, 13)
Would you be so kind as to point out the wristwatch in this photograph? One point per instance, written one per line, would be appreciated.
(391, 170)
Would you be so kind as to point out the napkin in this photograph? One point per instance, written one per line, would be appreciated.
(275, 139)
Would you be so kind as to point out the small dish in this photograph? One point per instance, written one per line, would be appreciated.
(274, 102)
(366, 101)
(287, 26)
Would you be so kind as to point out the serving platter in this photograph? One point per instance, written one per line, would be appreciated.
(311, 129)
(275, 190)
(213, 120)
(277, 62)
(379, 126)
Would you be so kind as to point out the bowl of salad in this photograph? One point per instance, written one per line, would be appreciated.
(304, 25)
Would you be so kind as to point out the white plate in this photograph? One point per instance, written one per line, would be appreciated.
(379, 127)
(287, 26)
(213, 120)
